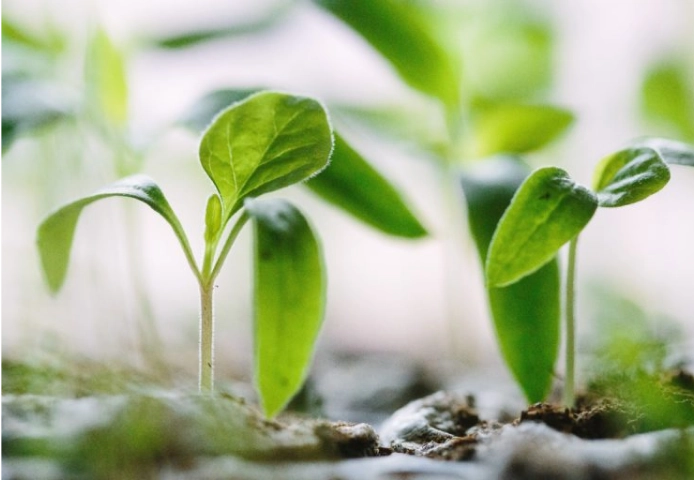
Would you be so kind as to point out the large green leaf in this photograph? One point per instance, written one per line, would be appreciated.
(398, 32)
(667, 96)
(106, 80)
(517, 128)
(289, 300)
(56, 232)
(630, 175)
(526, 313)
(268, 141)
(548, 210)
(352, 184)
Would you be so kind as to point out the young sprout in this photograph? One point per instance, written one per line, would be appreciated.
(265, 142)
(550, 209)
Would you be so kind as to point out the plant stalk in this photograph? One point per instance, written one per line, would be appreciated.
(206, 371)
(570, 315)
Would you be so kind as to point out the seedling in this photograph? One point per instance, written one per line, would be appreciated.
(550, 209)
(265, 142)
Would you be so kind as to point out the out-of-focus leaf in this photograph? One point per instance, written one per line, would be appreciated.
(55, 233)
(266, 142)
(508, 56)
(421, 127)
(195, 37)
(107, 85)
(353, 185)
(290, 288)
(399, 33)
(517, 128)
(667, 96)
(671, 151)
(51, 42)
(28, 105)
(629, 176)
(200, 115)
(547, 211)
(526, 314)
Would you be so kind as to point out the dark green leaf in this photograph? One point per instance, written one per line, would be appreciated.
(201, 114)
(289, 300)
(671, 151)
(56, 232)
(629, 176)
(266, 142)
(353, 185)
(526, 314)
(526, 319)
(548, 210)
(106, 79)
(517, 128)
(398, 32)
(667, 96)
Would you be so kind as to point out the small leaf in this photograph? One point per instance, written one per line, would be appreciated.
(517, 128)
(671, 151)
(397, 31)
(56, 232)
(526, 313)
(106, 79)
(629, 176)
(213, 218)
(548, 210)
(667, 96)
(266, 142)
(289, 300)
(353, 185)
(205, 109)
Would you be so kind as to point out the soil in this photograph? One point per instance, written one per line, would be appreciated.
(447, 434)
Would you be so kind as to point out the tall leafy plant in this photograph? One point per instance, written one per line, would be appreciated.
(267, 141)
(550, 210)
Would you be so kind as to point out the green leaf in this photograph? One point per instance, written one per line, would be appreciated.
(266, 142)
(667, 96)
(106, 79)
(671, 151)
(55, 233)
(213, 218)
(29, 105)
(276, 12)
(353, 185)
(290, 288)
(526, 314)
(629, 176)
(526, 320)
(398, 32)
(201, 114)
(548, 210)
(517, 128)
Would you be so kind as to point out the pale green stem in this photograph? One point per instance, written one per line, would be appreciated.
(206, 280)
(570, 313)
(206, 373)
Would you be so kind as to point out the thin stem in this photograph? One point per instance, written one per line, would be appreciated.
(206, 358)
(227, 245)
(570, 314)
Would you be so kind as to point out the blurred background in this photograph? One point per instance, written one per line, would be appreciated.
(93, 90)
